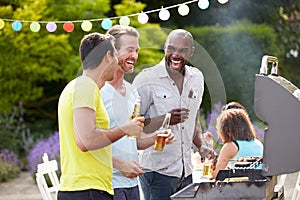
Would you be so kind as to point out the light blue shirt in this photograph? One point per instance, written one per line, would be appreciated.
(119, 109)
(253, 148)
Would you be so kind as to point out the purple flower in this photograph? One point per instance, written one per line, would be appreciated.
(49, 146)
(260, 132)
(10, 157)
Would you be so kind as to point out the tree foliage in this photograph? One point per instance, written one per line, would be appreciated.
(238, 60)
(36, 66)
(29, 59)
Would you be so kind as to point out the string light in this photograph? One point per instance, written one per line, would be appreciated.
(68, 26)
(86, 25)
(51, 27)
(223, 1)
(203, 4)
(143, 18)
(106, 24)
(16, 25)
(35, 27)
(164, 14)
(2, 24)
(183, 10)
(124, 20)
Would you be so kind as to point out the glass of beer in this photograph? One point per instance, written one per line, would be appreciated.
(160, 141)
(207, 168)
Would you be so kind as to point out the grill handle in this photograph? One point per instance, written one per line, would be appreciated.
(264, 65)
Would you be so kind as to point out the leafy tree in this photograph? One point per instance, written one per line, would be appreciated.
(29, 59)
(238, 60)
(288, 36)
(36, 66)
(282, 16)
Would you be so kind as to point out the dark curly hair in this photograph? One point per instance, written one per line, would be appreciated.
(235, 124)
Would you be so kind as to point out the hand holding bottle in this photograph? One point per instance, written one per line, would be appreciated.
(165, 131)
(179, 115)
(136, 113)
(134, 127)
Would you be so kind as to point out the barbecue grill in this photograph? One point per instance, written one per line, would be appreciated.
(277, 103)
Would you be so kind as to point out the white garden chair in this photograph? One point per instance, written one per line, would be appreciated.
(279, 187)
(47, 168)
(296, 192)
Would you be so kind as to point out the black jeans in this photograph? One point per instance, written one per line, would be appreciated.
(91, 194)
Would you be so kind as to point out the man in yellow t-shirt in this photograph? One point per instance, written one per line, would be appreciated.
(85, 140)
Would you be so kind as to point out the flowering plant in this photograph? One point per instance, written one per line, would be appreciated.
(10, 166)
(49, 146)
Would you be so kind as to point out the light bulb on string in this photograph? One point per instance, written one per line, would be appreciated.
(68, 26)
(106, 24)
(51, 27)
(124, 20)
(203, 4)
(223, 1)
(183, 10)
(16, 26)
(86, 25)
(143, 18)
(2, 24)
(35, 27)
(164, 14)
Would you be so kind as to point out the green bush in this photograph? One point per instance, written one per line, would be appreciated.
(9, 165)
(8, 171)
(237, 51)
(14, 132)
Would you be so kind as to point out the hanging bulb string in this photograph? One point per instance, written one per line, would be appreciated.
(100, 19)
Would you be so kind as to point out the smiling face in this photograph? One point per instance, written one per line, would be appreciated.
(178, 49)
(128, 53)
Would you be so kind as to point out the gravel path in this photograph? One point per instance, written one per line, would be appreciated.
(21, 188)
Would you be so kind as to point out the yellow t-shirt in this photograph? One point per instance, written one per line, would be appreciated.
(83, 170)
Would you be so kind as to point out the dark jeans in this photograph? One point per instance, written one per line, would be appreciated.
(127, 193)
(156, 186)
(84, 195)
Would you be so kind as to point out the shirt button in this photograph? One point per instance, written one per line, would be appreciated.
(174, 84)
(182, 128)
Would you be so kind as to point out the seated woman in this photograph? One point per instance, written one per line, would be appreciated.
(238, 136)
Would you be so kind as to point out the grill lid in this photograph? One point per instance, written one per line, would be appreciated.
(276, 104)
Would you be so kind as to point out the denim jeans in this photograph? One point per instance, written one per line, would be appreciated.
(157, 186)
(127, 193)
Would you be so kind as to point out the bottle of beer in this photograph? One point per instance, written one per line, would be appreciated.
(160, 141)
(136, 112)
(166, 122)
(136, 109)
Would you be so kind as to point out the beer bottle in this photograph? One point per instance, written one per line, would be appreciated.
(136, 112)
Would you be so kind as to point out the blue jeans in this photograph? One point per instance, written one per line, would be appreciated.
(127, 193)
(156, 186)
